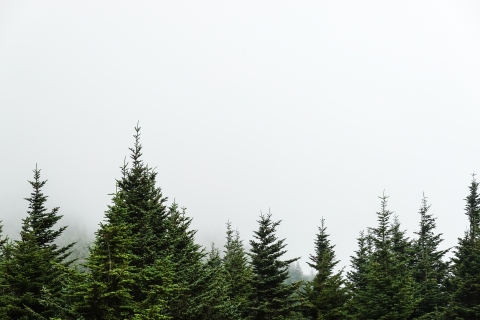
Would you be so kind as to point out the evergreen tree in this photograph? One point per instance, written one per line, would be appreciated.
(5, 251)
(390, 289)
(137, 262)
(295, 273)
(430, 271)
(3, 240)
(238, 270)
(402, 246)
(327, 293)
(107, 290)
(465, 302)
(190, 273)
(34, 266)
(215, 303)
(271, 298)
(146, 212)
(357, 276)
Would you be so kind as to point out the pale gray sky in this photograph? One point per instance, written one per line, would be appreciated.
(310, 109)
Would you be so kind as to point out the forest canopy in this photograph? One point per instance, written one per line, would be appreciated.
(144, 263)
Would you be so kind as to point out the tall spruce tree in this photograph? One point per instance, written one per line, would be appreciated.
(430, 271)
(271, 298)
(327, 293)
(34, 266)
(390, 288)
(465, 302)
(238, 270)
(139, 256)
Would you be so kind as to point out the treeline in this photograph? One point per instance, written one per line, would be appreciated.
(144, 263)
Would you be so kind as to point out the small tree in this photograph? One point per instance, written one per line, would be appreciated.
(327, 293)
(186, 255)
(215, 303)
(35, 264)
(238, 270)
(271, 298)
(465, 302)
(429, 270)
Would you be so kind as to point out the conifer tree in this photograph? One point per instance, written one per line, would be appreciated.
(35, 265)
(465, 302)
(138, 262)
(189, 270)
(3, 240)
(146, 212)
(327, 293)
(107, 291)
(357, 276)
(215, 303)
(390, 289)
(271, 298)
(238, 270)
(429, 270)
(5, 298)
(295, 273)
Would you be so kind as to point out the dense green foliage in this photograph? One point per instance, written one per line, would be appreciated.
(327, 293)
(271, 297)
(33, 268)
(144, 263)
(465, 302)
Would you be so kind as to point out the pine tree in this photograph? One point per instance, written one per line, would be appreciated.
(357, 276)
(3, 240)
(189, 270)
(271, 298)
(146, 212)
(295, 273)
(5, 297)
(390, 289)
(465, 302)
(215, 303)
(136, 269)
(34, 266)
(430, 271)
(107, 290)
(238, 270)
(327, 293)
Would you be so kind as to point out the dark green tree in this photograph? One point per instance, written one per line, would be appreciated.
(430, 271)
(327, 293)
(138, 261)
(107, 291)
(390, 289)
(34, 266)
(357, 276)
(465, 302)
(271, 298)
(238, 270)
(214, 300)
(3, 240)
(5, 298)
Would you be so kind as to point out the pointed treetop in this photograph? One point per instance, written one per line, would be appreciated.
(137, 147)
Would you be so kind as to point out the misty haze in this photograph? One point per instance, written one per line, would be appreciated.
(250, 160)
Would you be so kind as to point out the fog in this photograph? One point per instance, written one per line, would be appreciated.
(306, 109)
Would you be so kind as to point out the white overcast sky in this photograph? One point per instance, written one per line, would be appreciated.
(310, 109)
